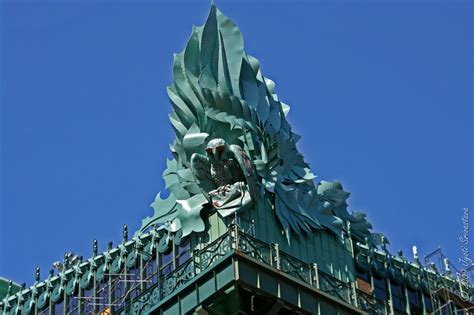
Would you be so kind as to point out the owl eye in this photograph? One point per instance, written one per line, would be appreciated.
(209, 150)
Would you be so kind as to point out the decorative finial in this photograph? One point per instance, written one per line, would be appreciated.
(51, 273)
(19, 293)
(10, 286)
(384, 243)
(94, 248)
(109, 245)
(125, 233)
(446, 266)
(400, 253)
(366, 240)
(37, 274)
(415, 253)
(66, 260)
(348, 227)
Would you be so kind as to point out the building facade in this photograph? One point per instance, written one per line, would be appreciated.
(245, 228)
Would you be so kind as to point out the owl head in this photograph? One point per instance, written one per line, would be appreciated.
(216, 149)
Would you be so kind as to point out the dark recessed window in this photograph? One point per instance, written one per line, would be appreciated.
(183, 253)
(398, 297)
(380, 289)
(415, 302)
(428, 303)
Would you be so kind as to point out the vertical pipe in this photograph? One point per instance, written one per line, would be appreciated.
(109, 278)
(141, 267)
(277, 255)
(351, 247)
(314, 267)
(158, 270)
(405, 290)
(80, 301)
(387, 278)
(390, 296)
(123, 255)
(174, 254)
(50, 302)
(65, 302)
(422, 298)
(92, 269)
(236, 236)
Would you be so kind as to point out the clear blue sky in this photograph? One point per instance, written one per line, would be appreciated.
(381, 92)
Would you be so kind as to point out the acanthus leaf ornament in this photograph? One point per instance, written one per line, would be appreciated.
(220, 98)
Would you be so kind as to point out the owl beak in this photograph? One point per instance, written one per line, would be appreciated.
(219, 151)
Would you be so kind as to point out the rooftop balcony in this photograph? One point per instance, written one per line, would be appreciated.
(234, 274)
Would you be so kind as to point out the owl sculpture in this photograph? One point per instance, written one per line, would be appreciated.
(225, 175)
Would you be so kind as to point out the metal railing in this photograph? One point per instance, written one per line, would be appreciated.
(139, 295)
(268, 254)
(370, 304)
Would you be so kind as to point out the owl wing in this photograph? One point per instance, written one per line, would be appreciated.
(201, 168)
(247, 168)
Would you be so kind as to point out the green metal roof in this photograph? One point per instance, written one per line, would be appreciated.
(4, 287)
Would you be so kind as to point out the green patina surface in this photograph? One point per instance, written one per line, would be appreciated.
(4, 284)
(235, 257)
(219, 91)
(289, 239)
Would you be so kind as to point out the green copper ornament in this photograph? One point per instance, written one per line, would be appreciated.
(220, 94)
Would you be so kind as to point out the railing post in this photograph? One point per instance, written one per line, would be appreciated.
(386, 307)
(354, 294)
(196, 261)
(234, 234)
(277, 255)
(353, 284)
(271, 255)
(314, 268)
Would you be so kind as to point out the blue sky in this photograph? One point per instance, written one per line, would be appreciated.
(381, 92)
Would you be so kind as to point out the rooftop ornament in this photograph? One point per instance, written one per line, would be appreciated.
(234, 151)
(234, 148)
